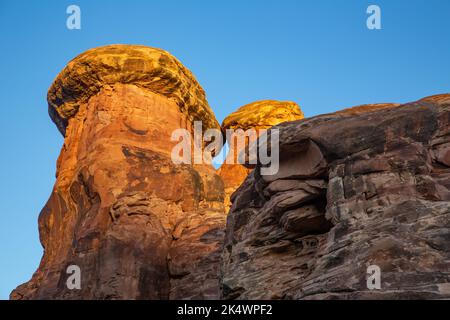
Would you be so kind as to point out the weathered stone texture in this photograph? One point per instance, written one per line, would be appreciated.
(369, 185)
(365, 186)
(138, 226)
(258, 116)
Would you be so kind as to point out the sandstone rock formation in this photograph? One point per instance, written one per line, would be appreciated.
(369, 185)
(138, 226)
(259, 115)
(366, 186)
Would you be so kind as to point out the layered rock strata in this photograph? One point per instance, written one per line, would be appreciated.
(368, 186)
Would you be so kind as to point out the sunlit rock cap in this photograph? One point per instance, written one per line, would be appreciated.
(146, 67)
(262, 115)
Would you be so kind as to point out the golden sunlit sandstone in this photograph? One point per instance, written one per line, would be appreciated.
(262, 115)
(259, 115)
(148, 68)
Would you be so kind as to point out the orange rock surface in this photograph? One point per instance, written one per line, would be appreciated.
(138, 226)
(259, 115)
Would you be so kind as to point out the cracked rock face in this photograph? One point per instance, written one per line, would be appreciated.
(365, 186)
(137, 225)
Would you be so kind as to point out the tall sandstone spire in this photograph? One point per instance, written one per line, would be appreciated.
(137, 225)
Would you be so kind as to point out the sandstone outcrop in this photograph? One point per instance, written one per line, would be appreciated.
(137, 225)
(259, 115)
(366, 186)
(148, 68)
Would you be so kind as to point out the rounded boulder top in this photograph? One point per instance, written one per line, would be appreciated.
(263, 115)
(150, 68)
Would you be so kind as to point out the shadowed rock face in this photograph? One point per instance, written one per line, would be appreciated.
(138, 226)
(259, 115)
(366, 186)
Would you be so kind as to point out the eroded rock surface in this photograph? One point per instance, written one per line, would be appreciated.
(258, 116)
(137, 225)
(369, 185)
(366, 186)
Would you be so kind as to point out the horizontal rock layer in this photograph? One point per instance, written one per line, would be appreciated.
(366, 186)
(257, 116)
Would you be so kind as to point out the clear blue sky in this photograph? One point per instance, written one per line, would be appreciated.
(317, 53)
